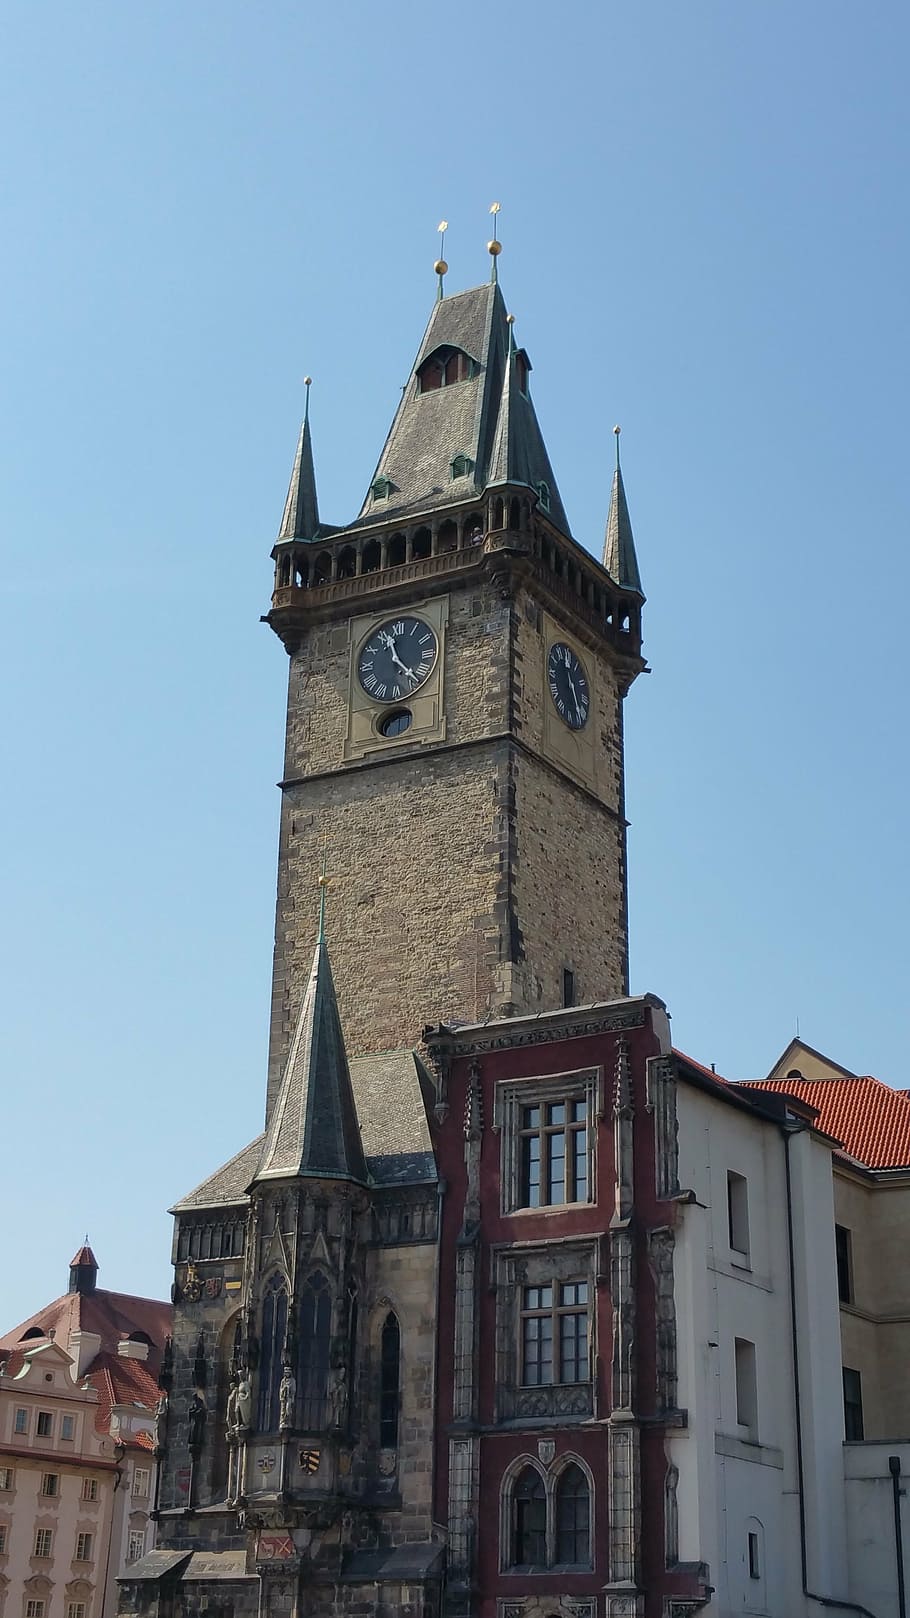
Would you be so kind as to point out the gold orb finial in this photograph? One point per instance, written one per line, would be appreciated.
(307, 381)
(494, 248)
(441, 267)
(510, 320)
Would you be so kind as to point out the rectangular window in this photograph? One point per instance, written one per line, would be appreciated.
(89, 1488)
(2, 1539)
(67, 1428)
(6, 1477)
(853, 1406)
(554, 1153)
(136, 1545)
(50, 1484)
(83, 1548)
(746, 1386)
(45, 1424)
(34, 1609)
(21, 1426)
(568, 987)
(75, 1609)
(738, 1215)
(842, 1249)
(44, 1542)
(754, 1565)
(141, 1480)
(554, 1334)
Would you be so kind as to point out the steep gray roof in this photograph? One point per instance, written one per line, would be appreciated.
(620, 560)
(485, 417)
(389, 1096)
(300, 519)
(314, 1129)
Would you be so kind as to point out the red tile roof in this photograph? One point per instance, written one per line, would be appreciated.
(84, 1256)
(871, 1121)
(121, 1382)
(113, 1316)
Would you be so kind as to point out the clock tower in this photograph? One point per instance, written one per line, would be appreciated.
(458, 664)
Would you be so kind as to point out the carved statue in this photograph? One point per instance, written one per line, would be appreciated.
(287, 1396)
(244, 1401)
(161, 1419)
(338, 1396)
(197, 1422)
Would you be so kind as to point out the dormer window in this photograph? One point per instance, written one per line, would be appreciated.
(461, 466)
(522, 370)
(543, 496)
(381, 489)
(444, 367)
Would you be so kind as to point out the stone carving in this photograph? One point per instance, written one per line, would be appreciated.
(198, 1414)
(161, 1410)
(473, 1142)
(622, 1289)
(661, 1243)
(546, 1449)
(287, 1396)
(671, 1516)
(661, 1089)
(337, 1396)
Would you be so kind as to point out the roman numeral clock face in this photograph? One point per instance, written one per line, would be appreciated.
(568, 685)
(397, 659)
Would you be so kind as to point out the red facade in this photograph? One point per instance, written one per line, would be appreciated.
(496, 1253)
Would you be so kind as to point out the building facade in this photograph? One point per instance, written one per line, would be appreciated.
(510, 1311)
(78, 1393)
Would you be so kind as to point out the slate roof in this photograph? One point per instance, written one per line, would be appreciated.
(390, 1090)
(300, 519)
(620, 559)
(870, 1119)
(483, 414)
(314, 1129)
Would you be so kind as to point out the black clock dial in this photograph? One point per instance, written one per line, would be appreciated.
(568, 685)
(397, 659)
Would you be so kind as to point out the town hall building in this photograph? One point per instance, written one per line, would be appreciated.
(434, 1350)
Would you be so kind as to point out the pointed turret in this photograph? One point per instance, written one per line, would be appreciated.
(619, 557)
(83, 1270)
(301, 508)
(313, 1130)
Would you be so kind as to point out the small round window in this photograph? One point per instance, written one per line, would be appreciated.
(395, 724)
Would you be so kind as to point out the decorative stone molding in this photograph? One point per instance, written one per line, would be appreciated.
(511, 1095)
(661, 1094)
(661, 1244)
(625, 1509)
(622, 1291)
(513, 1268)
(544, 1606)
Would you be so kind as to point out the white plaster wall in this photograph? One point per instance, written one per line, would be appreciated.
(871, 1545)
(729, 1480)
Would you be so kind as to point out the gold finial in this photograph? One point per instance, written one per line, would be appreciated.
(441, 266)
(494, 247)
(510, 320)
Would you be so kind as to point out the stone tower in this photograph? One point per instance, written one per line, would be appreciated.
(458, 663)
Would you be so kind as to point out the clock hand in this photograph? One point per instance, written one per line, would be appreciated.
(575, 697)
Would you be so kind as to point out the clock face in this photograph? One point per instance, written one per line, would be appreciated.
(568, 685)
(397, 659)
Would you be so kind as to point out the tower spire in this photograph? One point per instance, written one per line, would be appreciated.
(619, 557)
(494, 247)
(314, 1130)
(301, 509)
(441, 266)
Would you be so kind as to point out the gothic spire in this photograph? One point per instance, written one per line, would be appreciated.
(314, 1130)
(466, 420)
(619, 557)
(301, 509)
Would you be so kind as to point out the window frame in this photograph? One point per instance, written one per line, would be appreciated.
(44, 1538)
(67, 1428)
(510, 1099)
(3, 1533)
(75, 1609)
(136, 1535)
(550, 1480)
(84, 1551)
(745, 1373)
(517, 1266)
(738, 1234)
(44, 1424)
(50, 1486)
(89, 1489)
(843, 1258)
(854, 1423)
(142, 1482)
(7, 1479)
(20, 1422)
(34, 1607)
(556, 1312)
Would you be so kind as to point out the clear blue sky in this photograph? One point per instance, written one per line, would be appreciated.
(704, 211)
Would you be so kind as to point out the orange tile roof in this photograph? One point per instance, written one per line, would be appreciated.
(113, 1316)
(120, 1382)
(871, 1121)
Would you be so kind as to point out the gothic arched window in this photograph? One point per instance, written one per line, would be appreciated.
(529, 1520)
(313, 1361)
(274, 1330)
(389, 1382)
(573, 1518)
